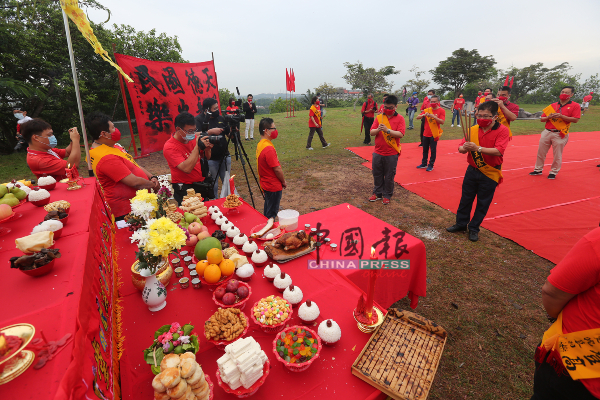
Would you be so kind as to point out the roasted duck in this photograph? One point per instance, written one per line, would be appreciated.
(291, 240)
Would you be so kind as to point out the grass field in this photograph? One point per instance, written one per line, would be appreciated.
(485, 294)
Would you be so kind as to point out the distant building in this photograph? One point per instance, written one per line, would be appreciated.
(344, 94)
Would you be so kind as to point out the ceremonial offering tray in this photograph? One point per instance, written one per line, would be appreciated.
(402, 356)
(275, 228)
(20, 359)
(241, 392)
(241, 303)
(271, 328)
(298, 367)
(220, 344)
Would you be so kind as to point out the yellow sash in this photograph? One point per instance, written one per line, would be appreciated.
(490, 172)
(97, 153)
(264, 143)
(558, 123)
(436, 130)
(389, 139)
(579, 351)
(317, 113)
(502, 119)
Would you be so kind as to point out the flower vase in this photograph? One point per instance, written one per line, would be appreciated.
(154, 293)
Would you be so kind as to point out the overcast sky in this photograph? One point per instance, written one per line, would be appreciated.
(254, 41)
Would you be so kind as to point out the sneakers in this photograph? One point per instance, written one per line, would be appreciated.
(452, 126)
(458, 126)
(551, 176)
(429, 168)
(535, 173)
(309, 148)
(421, 166)
(374, 198)
(328, 144)
(385, 202)
(421, 145)
(246, 139)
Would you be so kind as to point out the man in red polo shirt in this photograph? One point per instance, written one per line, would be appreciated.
(457, 107)
(558, 118)
(507, 111)
(270, 173)
(487, 144)
(118, 173)
(183, 153)
(368, 113)
(435, 118)
(388, 129)
(43, 158)
(586, 102)
(572, 290)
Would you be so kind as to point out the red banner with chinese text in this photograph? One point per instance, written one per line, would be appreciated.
(161, 90)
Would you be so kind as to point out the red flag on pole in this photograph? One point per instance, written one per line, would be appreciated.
(287, 81)
(293, 81)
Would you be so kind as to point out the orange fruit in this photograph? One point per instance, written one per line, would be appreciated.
(214, 256)
(227, 267)
(201, 266)
(212, 273)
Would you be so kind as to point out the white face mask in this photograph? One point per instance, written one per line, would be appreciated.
(429, 96)
(19, 116)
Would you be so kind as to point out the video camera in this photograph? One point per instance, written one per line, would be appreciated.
(233, 117)
(212, 139)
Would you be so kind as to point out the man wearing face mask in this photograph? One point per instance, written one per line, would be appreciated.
(558, 118)
(249, 110)
(412, 108)
(485, 151)
(183, 153)
(43, 158)
(21, 116)
(270, 174)
(315, 124)
(388, 128)
(423, 107)
(117, 172)
(210, 122)
(457, 107)
(507, 111)
(435, 116)
(368, 114)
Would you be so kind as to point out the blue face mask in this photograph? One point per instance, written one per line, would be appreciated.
(19, 116)
(190, 136)
(53, 141)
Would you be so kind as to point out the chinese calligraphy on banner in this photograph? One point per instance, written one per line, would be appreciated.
(161, 90)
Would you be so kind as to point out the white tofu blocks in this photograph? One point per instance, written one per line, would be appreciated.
(242, 364)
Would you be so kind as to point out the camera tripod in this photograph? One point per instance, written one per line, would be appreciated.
(240, 153)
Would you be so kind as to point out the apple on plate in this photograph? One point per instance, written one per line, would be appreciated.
(203, 235)
(195, 228)
(192, 240)
(5, 211)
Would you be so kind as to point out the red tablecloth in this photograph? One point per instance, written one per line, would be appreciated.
(328, 377)
(344, 224)
(49, 302)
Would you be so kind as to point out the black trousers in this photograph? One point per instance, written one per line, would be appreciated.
(367, 124)
(475, 184)
(180, 190)
(547, 385)
(429, 143)
(272, 200)
(312, 133)
(422, 128)
(384, 172)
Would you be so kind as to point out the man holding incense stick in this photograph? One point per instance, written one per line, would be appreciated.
(558, 118)
(423, 107)
(484, 145)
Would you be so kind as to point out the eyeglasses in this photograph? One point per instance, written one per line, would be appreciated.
(190, 132)
(271, 129)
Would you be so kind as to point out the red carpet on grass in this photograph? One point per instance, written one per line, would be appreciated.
(542, 215)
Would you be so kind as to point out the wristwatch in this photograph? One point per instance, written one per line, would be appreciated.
(388, 131)
(479, 149)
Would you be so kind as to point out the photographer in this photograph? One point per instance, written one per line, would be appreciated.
(233, 109)
(183, 153)
(212, 124)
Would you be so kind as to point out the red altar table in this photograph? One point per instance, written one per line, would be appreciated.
(336, 293)
(62, 301)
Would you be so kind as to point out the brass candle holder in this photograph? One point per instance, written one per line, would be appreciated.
(74, 185)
